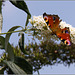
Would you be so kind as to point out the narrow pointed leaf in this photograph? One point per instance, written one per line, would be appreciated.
(9, 48)
(21, 5)
(21, 42)
(15, 68)
(1, 22)
(27, 21)
(21, 62)
(10, 52)
(2, 42)
(0, 6)
(8, 36)
(1, 17)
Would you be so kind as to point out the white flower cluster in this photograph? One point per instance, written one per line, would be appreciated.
(72, 30)
(39, 23)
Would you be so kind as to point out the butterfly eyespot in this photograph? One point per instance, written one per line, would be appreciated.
(63, 40)
(45, 18)
(46, 21)
(54, 18)
(66, 31)
(66, 42)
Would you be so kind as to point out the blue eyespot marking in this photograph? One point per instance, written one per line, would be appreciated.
(66, 31)
(54, 18)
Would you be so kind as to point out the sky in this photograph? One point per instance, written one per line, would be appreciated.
(13, 16)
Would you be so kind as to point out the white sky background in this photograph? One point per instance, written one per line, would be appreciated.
(13, 16)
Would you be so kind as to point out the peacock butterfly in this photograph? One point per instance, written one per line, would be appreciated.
(53, 23)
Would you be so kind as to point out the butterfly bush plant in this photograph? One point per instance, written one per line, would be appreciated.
(40, 23)
(45, 49)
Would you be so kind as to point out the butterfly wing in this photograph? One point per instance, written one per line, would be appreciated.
(53, 22)
(65, 36)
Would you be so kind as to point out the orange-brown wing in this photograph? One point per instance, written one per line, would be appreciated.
(65, 36)
(52, 21)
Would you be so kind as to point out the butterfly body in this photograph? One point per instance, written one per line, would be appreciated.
(53, 23)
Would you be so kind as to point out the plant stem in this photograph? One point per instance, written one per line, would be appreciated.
(12, 32)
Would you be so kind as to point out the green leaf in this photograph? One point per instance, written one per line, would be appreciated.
(21, 42)
(1, 17)
(21, 5)
(0, 6)
(15, 68)
(21, 62)
(27, 21)
(1, 22)
(9, 48)
(8, 36)
(2, 42)
(10, 52)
